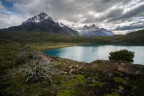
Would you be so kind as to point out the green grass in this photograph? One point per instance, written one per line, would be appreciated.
(118, 79)
(44, 46)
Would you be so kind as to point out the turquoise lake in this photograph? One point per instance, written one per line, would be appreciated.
(89, 53)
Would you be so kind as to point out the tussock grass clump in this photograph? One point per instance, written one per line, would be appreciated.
(35, 67)
(39, 70)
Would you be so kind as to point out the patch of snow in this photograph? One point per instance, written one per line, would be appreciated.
(61, 25)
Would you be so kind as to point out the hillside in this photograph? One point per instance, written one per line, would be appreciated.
(135, 38)
(140, 32)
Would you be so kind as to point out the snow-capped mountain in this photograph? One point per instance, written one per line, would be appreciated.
(38, 18)
(43, 23)
(93, 30)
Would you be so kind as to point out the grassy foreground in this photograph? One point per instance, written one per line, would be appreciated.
(99, 78)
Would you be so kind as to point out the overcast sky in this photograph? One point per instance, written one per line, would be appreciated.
(116, 15)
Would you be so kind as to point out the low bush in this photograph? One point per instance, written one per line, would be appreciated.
(24, 57)
(122, 55)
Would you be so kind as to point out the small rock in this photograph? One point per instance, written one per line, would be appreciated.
(121, 89)
(93, 81)
(77, 66)
(110, 75)
(122, 63)
(70, 67)
(138, 72)
(80, 68)
(72, 71)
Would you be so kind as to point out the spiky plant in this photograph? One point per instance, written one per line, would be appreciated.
(39, 70)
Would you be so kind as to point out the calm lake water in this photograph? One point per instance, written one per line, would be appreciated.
(89, 53)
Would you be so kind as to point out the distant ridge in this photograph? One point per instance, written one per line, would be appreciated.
(93, 30)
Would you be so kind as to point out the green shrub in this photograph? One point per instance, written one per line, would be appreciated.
(21, 59)
(27, 56)
(122, 55)
(24, 57)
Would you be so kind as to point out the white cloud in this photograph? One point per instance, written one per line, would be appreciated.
(10, 19)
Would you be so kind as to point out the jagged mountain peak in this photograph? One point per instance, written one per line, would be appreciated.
(93, 26)
(38, 18)
(42, 14)
(93, 30)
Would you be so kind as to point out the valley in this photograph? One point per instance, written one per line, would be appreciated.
(98, 78)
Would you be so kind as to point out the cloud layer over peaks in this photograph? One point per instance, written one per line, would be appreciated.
(115, 15)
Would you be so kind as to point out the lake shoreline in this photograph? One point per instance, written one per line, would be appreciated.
(91, 52)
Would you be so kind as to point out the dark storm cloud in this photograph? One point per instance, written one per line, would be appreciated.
(107, 16)
(69, 9)
(130, 27)
(137, 12)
